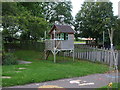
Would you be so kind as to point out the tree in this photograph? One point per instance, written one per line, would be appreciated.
(90, 20)
(117, 33)
(9, 20)
(24, 20)
(62, 13)
(10, 8)
(57, 12)
(35, 8)
(36, 27)
(10, 26)
(31, 18)
(111, 24)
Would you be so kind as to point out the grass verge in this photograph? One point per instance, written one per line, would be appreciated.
(115, 86)
(45, 70)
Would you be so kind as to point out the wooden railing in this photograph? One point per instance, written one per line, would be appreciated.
(49, 44)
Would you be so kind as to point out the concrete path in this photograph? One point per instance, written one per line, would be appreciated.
(90, 81)
(23, 62)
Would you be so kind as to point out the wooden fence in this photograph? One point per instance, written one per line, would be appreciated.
(94, 54)
(85, 52)
(81, 52)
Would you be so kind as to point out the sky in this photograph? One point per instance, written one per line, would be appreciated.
(77, 5)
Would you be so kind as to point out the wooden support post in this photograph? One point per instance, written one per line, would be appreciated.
(54, 58)
(73, 55)
(45, 54)
(54, 53)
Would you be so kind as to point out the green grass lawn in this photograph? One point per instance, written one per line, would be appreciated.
(44, 70)
(114, 86)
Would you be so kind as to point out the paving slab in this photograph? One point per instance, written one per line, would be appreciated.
(24, 62)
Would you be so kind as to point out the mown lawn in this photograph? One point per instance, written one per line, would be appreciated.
(115, 86)
(44, 70)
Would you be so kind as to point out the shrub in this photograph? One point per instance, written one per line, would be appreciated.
(118, 47)
(9, 59)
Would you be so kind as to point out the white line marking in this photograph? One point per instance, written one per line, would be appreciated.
(75, 81)
(86, 84)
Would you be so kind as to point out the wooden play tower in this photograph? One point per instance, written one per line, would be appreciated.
(61, 39)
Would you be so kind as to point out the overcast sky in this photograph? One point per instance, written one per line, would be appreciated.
(77, 5)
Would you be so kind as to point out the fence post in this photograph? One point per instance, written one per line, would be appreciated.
(105, 60)
(112, 59)
(94, 54)
(118, 59)
(87, 54)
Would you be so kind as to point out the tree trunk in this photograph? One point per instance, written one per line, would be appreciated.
(76, 37)
(96, 42)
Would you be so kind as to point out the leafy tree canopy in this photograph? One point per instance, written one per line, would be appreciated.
(94, 18)
(31, 19)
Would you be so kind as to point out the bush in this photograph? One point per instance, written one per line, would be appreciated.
(9, 59)
(118, 47)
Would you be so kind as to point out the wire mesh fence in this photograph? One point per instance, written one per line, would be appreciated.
(39, 46)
